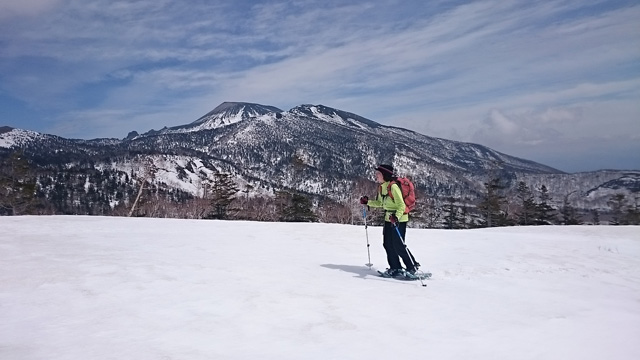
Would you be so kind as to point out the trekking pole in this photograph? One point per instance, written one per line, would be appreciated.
(364, 215)
(409, 255)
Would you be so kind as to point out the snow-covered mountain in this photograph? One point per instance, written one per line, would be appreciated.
(16, 138)
(321, 150)
(225, 114)
(314, 149)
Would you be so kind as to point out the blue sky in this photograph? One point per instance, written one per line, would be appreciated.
(556, 82)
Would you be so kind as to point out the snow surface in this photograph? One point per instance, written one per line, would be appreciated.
(76, 287)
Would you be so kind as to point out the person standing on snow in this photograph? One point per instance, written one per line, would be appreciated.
(394, 207)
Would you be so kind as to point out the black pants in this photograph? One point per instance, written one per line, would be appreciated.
(395, 246)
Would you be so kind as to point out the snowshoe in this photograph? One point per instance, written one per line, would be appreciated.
(415, 275)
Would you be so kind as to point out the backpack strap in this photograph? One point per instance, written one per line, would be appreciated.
(389, 188)
(389, 193)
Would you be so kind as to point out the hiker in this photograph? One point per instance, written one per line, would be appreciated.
(394, 207)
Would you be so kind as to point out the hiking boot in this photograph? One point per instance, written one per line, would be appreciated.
(390, 273)
(399, 273)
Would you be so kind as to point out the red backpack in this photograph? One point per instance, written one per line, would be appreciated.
(408, 192)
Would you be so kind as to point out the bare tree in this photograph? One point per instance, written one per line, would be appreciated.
(361, 187)
(147, 173)
(223, 194)
(428, 212)
(334, 212)
(257, 208)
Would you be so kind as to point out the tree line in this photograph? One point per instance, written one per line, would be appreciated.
(499, 206)
(26, 189)
(87, 190)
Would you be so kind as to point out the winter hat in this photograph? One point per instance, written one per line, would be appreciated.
(386, 170)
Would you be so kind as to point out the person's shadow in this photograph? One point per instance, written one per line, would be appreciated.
(360, 271)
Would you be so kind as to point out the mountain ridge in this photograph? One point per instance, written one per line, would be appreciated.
(314, 149)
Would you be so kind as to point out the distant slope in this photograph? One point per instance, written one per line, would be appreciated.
(314, 149)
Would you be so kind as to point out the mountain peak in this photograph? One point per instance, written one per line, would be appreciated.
(333, 115)
(11, 137)
(5, 129)
(232, 112)
(225, 114)
(236, 107)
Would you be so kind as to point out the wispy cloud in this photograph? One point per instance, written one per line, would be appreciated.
(471, 71)
(25, 8)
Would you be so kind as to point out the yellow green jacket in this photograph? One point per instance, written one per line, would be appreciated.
(391, 206)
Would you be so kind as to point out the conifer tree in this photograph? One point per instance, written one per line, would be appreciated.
(451, 215)
(617, 203)
(527, 212)
(633, 212)
(463, 216)
(17, 184)
(569, 213)
(299, 210)
(491, 204)
(545, 212)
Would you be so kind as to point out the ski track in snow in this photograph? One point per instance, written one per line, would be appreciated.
(78, 287)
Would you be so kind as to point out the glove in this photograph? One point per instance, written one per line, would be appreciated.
(364, 200)
(393, 219)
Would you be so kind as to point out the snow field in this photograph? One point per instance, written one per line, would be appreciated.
(77, 287)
